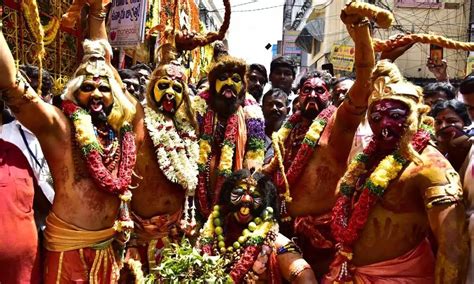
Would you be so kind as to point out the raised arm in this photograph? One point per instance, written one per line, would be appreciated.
(42, 119)
(97, 13)
(352, 110)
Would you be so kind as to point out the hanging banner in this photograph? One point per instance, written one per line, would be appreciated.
(342, 57)
(127, 22)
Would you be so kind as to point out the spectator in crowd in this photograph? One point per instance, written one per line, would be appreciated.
(31, 74)
(14, 132)
(438, 91)
(282, 73)
(257, 79)
(144, 72)
(17, 217)
(340, 87)
(467, 90)
(202, 85)
(131, 79)
(451, 118)
(275, 110)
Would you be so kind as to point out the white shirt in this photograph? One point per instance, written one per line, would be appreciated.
(11, 132)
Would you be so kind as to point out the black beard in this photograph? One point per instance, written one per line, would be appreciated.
(312, 113)
(226, 107)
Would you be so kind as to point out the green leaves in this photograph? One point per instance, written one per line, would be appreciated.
(182, 263)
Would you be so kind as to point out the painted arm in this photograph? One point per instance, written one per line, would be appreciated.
(97, 12)
(446, 213)
(350, 113)
(292, 265)
(44, 120)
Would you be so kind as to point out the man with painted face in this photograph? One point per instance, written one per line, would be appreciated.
(394, 194)
(243, 230)
(166, 165)
(91, 152)
(230, 127)
(316, 142)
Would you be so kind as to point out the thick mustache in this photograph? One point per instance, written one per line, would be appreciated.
(228, 87)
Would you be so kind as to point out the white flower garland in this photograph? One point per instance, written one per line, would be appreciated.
(177, 156)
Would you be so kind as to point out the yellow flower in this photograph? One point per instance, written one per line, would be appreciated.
(199, 105)
(204, 150)
(84, 130)
(226, 158)
(283, 133)
(255, 155)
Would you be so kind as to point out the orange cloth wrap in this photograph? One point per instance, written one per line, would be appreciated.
(76, 255)
(241, 140)
(414, 267)
(61, 236)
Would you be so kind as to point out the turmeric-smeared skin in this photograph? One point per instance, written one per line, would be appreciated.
(401, 220)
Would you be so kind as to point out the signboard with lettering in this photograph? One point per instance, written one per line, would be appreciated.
(342, 57)
(127, 22)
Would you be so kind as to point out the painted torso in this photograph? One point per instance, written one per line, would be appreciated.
(314, 192)
(155, 195)
(399, 222)
(77, 199)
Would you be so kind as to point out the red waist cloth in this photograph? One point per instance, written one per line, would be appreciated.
(19, 259)
(414, 267)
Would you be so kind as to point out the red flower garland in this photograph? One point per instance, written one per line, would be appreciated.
(305, 152)
(245, 263)
(347, 226)
(203, 188)
(102, 177)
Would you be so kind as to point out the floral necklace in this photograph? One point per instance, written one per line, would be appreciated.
(348, 221)
(177, 153)
(243, 253)
(284, 178)
(92, 150)
(254, 149)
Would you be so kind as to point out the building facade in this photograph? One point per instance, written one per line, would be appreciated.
(449, 18)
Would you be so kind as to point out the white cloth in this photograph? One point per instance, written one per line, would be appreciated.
(362, 138)
(10, 132)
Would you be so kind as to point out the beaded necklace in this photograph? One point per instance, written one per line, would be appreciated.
(243, 253)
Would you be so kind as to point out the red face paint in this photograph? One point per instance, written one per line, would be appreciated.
(313, 97)
(387, 119)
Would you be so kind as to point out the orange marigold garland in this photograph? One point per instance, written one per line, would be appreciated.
(347, 220)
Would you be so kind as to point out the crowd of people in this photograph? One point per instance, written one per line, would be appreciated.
(330, 179)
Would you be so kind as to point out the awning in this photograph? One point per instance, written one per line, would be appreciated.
(312, 30)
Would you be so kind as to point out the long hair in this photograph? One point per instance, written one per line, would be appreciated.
(123, 110)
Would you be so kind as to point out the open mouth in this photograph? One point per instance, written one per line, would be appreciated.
(168, 105)
(387, 135)
(244, 214)
(229, 93)
(96, 105)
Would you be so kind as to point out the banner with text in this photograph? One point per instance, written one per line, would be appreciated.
(342, 57)
(127, 22)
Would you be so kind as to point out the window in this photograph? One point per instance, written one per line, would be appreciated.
(418, 3)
